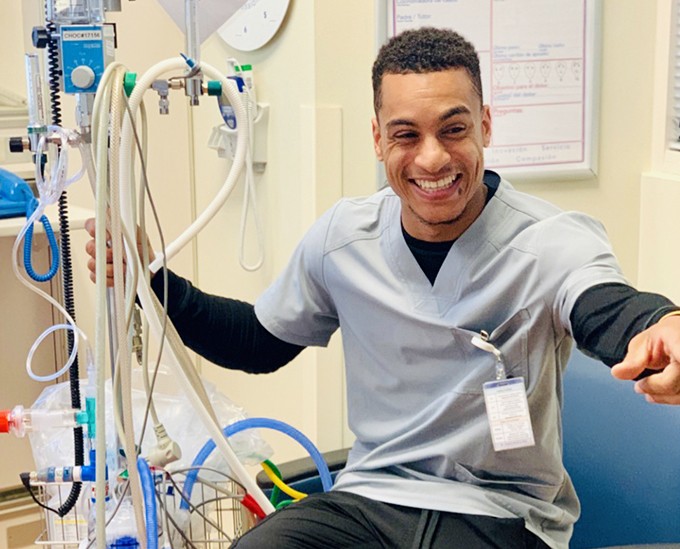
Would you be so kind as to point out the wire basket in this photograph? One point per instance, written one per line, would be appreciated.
(213, 518)
(66, 531)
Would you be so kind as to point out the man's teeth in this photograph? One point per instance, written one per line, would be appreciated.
(440, 184)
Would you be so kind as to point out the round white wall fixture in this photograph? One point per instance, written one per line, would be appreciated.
(254, 24)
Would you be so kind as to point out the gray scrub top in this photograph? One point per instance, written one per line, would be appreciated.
(414, 380)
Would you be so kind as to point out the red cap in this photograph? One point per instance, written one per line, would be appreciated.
(4, 420)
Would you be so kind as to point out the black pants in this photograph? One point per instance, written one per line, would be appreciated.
(343, 520)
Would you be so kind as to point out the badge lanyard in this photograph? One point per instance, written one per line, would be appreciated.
(507, 408)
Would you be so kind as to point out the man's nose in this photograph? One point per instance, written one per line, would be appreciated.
(432, 155)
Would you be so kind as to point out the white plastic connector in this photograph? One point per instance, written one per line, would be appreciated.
(166, 450)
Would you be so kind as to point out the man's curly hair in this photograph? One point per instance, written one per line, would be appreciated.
(426, 49)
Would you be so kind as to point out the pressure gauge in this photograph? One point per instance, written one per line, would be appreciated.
(254, 24)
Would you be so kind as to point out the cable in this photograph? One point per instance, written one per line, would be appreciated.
(275, 493)
(108, 116)
(53, 71)
(54, 75)
(26, 483)
(145, 190)
(292, 492)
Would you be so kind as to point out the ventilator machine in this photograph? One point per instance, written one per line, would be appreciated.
(131, 452)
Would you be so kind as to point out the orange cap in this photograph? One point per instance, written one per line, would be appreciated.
(4, 420)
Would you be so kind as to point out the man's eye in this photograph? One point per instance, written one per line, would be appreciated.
(454, 130)
(405, 135)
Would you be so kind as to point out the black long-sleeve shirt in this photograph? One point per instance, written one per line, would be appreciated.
(227, 332)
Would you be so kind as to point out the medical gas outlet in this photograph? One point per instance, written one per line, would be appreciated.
(223, 139)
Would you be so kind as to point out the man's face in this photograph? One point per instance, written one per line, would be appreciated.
(430, 133)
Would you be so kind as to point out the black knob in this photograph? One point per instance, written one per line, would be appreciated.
(40, 37)
(16, 144)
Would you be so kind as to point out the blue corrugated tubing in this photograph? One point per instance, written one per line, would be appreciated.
(149, 503)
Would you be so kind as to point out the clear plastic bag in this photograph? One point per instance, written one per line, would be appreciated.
(182, 423)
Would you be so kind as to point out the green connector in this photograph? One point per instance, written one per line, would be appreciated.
(90, 405)
(214, 88)
(129, 81)
(82, 417)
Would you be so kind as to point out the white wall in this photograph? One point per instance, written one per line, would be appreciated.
(12, 41)
(659, 266)
(625, 121)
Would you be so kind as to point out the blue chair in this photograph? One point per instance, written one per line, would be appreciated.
(623, 455)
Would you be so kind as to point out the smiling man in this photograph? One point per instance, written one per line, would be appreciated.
(430, 132)
(459, 299)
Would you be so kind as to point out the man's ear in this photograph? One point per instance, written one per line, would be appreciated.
(486, 125)
(375, 127)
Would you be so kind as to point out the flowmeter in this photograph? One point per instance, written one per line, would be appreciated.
(71, 12)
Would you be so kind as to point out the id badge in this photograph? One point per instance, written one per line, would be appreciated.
(508, 412)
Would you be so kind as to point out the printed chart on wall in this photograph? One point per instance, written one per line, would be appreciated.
(539, 65)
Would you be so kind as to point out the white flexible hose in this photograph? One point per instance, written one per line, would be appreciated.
(250, 198)
(100, 134)
(230, 91)
(143, 290)
(123, 359)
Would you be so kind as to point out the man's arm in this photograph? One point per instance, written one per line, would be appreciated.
(634, 332)
(225, 331)
(606, 317)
